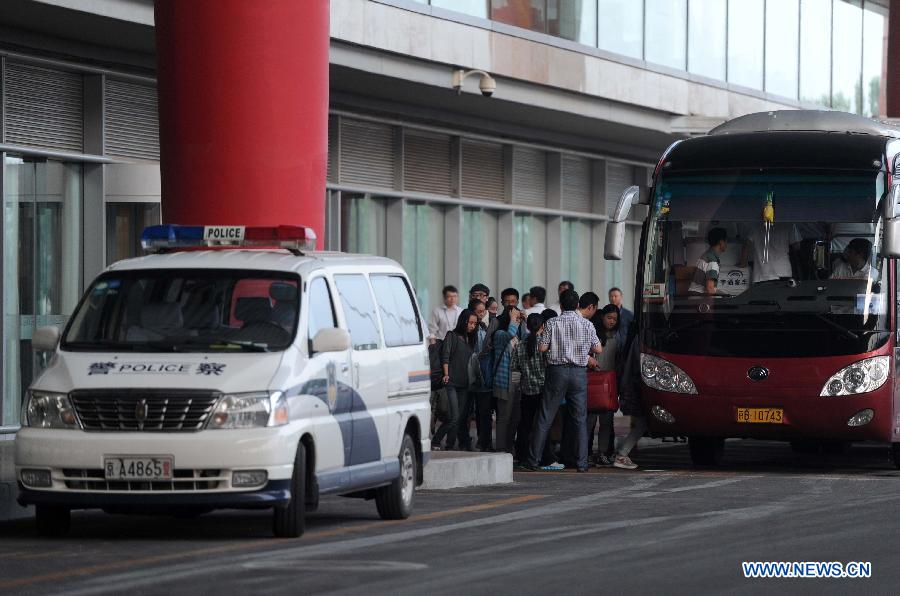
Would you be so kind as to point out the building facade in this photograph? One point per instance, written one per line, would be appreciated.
(508, 190)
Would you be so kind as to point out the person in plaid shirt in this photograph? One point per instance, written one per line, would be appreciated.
(568, 340)
(531, 363)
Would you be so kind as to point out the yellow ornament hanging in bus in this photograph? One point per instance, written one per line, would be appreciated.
(768, 219)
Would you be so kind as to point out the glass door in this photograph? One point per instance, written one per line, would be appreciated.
(42, 263)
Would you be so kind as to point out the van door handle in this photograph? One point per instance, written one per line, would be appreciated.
(345, 367)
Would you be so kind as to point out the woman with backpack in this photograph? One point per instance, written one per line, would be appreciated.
(456, 352)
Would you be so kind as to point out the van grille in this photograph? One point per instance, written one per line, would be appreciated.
(183, 479)
(143, 410)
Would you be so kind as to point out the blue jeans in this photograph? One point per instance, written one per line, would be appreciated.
(569, 383)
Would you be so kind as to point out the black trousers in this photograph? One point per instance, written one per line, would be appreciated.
(530, 406)
(485, 405)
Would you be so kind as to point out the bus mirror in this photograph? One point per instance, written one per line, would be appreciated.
(615, 229)
(615, 241)
(891, 238)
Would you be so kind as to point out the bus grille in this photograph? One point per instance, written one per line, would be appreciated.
(143, 410)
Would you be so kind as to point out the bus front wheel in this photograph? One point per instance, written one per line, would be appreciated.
(706, 451)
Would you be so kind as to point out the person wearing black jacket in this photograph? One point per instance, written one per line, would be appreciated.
(455, 356)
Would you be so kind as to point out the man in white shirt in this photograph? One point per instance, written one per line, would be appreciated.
(563, 286)
(778, 264)
(444, 317)
(538, 295)
(856, 261)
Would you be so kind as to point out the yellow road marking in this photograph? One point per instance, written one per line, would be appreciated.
(120, 565)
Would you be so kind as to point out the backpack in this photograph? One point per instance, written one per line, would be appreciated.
(435, 366)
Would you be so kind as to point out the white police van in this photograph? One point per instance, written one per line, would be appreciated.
(222, 374)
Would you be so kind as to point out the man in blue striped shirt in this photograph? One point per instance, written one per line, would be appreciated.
(569, 340)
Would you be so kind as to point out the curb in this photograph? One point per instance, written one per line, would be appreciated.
(457, 469)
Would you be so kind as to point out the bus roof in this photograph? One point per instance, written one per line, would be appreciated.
(806, 121)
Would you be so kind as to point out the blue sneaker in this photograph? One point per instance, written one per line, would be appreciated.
(554, 467)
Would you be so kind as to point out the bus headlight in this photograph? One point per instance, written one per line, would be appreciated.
(250, 410)
(48, 410)
(661, 374)
(860, 377)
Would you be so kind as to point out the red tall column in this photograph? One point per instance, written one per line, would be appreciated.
(892, 63)
(243, 111)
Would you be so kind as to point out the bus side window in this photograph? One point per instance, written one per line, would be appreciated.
(320, 307)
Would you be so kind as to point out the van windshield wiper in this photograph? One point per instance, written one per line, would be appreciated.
(87, 346)
(249, 346)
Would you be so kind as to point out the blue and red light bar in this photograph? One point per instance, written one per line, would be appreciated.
(173, 237)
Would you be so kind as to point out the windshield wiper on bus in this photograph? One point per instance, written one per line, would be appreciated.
(845, 331)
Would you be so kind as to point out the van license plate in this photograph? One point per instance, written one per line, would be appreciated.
(138, 468)
(760, 415)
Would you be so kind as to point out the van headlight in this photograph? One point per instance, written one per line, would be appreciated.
(48, 410)
(250, 410)
(661, 374)
(860, 377)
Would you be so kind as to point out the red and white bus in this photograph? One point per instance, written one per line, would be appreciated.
(795, 338)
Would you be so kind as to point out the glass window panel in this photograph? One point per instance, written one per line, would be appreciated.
(874, 44)
(478, 248)
(706, 38)
(42, 247)
(359, 311)
(782, 47)
(746, 19)
(362, 225)
(573, 19)
(529, 252)
(398, 315)
(476, 8)
(320, 308)
(423, 251)
(846, 74)
(815, 51)
(666, 32)
(621, 27)
(528, 14)
(576, 254)
(124, 224)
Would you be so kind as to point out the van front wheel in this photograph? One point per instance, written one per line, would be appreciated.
(289, 521)
(395, 501)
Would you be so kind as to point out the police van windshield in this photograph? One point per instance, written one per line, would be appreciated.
(765, 264)
(186, 310)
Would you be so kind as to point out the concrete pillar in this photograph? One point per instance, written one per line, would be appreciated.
(891, 72)
(243, 111)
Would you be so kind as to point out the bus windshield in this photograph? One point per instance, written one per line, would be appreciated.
(777, 264)
(186, 310)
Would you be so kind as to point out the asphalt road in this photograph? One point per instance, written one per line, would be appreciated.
(666, 528)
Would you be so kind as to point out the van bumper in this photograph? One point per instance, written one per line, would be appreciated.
(275, 493)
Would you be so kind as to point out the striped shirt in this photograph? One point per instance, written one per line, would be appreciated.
(707, 268)
(570, 338)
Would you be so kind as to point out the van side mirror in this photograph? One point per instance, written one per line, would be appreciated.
(615, 228)
(332, 339)
(45, 339)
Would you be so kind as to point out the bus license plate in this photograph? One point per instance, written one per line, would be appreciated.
(761, 415)
(151, 467)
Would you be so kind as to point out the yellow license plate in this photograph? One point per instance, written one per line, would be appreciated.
(760, 415)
